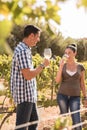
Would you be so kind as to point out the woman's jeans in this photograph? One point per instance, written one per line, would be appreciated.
(70, 102)
(26, 112)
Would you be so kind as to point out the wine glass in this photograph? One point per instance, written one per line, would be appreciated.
(65, 57)
(47, 53)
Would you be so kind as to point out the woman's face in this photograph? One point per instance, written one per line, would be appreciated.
(70, 53)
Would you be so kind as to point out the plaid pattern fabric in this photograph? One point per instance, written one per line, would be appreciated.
(22, 89)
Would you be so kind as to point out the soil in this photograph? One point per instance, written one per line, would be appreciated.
(46, 118)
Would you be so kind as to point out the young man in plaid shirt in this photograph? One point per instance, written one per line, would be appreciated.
(23, 81)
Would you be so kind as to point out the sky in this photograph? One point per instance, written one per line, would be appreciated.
(73, 20)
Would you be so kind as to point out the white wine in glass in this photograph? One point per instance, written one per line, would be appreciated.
(65, 57)
(47, 53)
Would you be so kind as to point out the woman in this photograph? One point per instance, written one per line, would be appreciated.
(71, 78)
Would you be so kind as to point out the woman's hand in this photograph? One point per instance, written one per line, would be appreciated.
(61, 63)
(85, 102)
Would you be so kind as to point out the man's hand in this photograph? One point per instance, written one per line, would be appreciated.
(46, 62)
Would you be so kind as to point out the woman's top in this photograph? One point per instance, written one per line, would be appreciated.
(70, 84)
(70, 72)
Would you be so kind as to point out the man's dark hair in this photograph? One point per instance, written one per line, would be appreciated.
(30, 29)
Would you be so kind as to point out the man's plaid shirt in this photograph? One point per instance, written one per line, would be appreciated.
(22, 89)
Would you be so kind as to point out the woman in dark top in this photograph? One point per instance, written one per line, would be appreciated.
(71, 78)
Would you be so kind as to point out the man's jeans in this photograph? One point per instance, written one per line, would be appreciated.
(73, 103)
(26, 112)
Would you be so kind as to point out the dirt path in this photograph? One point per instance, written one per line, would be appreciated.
(44, 115)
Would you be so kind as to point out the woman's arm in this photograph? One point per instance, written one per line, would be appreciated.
(59, 73)
(83, 83)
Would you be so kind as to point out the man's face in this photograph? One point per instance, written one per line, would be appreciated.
(34, 38)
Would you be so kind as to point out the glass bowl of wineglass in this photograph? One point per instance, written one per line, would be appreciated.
(47, 53)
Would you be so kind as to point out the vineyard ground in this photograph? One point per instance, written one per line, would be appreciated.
(44, 115)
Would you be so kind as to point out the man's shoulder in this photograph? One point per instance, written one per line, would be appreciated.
(21, 47)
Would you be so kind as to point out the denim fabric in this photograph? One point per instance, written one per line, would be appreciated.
(70, 102)
(26, 112)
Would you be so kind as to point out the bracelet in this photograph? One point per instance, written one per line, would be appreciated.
(42, 66)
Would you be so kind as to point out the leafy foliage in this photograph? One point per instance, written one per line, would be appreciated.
(82, 49)
(45, 82)
(15, 36)
(56, 43)
(82, 3)
(22, 12)
(62, 123)
(5, 64)
(29, 11)
(33, 9)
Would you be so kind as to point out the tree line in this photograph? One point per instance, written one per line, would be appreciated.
(56, 42)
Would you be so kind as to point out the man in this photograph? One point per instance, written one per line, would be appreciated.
(23, 82)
